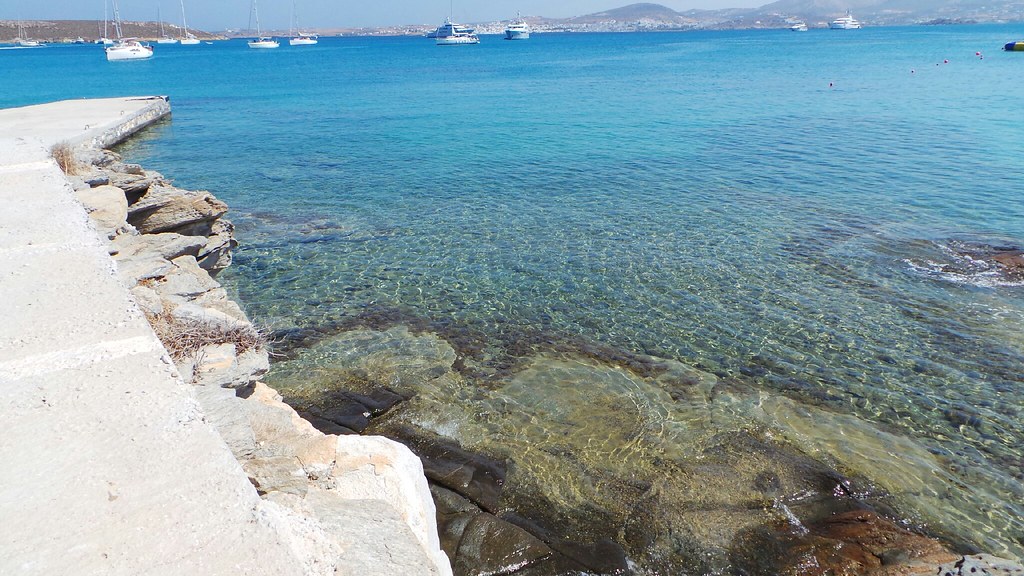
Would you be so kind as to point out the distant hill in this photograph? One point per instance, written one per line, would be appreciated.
(647, 16)
(635, 13)
(90, 30)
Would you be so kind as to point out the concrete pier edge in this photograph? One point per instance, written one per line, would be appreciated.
(109, 464)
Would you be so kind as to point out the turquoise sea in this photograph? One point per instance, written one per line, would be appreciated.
(778, 219)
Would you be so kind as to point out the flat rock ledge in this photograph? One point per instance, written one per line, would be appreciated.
(356, 505)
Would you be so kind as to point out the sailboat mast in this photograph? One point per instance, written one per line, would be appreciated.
(117, 20)
(256, 11)
(184, 24)
(105, 19)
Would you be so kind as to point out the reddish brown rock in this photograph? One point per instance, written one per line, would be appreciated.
(854, 543)
(1012, 262)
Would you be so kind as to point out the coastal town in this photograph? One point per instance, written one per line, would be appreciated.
(643, 17)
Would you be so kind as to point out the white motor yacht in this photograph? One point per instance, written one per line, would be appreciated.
(452, 34)
(844, 23)
(518, 29)
(799, 27)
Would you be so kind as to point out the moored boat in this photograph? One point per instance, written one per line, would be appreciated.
(264, 42)
(518, 29)
(452, 34)
(128, 49)
(303, 39)
(299, 38)
(187, 38)
(261, 41)
(847, 22)
(164, 38)
(23, 40)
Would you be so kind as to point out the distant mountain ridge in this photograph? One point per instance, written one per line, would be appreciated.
(781, 12)
(89, 30)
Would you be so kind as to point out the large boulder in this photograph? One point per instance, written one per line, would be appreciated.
(106, 205)
(375, 468)
(167, 209)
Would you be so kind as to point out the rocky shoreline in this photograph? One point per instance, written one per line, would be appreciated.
(356, 505)
(169, 244)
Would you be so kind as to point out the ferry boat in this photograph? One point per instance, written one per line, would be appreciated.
(844, 23)
(518, 29)
(799, 27)
(452, 34)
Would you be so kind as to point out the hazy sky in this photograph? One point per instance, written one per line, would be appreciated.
(222, 14)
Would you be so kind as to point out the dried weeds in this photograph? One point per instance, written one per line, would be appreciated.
(185, 338)
(65, 157)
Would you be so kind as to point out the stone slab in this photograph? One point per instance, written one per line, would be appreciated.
(110, 469)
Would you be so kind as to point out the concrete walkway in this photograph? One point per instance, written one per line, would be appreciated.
(106, 465)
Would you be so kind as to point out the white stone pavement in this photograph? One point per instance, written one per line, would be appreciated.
(106, 465)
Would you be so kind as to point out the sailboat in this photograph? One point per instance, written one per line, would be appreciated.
(105, 40)
(187, 38)
(126, 48)
(23, 40)
(261, 41)
(164, 38)
(300, 38)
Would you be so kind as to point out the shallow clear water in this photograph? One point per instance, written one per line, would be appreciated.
(769, 208)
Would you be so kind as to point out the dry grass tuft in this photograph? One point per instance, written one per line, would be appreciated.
(185, 338)
(65, 157)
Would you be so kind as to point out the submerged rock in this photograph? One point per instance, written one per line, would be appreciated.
(1006, 258)
(477, 477)
(664, 469)
(858, 542)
